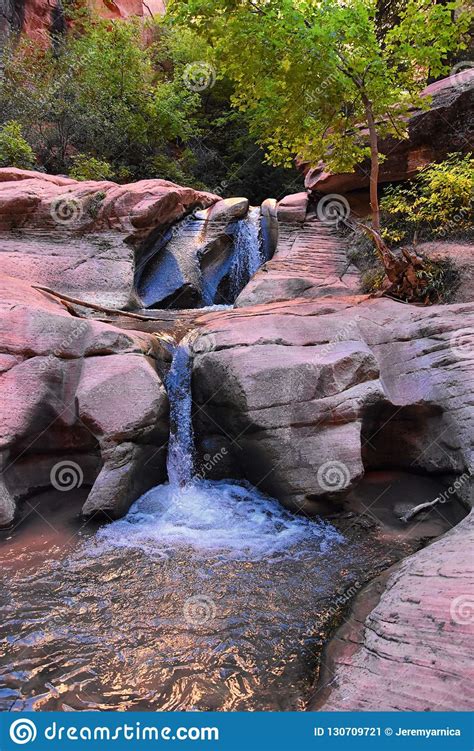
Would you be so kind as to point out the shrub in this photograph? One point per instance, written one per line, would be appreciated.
(437, 203)
(15, 151)
(89, 168)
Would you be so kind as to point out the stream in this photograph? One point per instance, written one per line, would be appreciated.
(206, 596)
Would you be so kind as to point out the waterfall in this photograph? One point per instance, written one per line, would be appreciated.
(248, 253)
(180, 462)
(208, 515)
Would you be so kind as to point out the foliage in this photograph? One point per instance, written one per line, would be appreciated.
(311, 64)
(89, 168)
(102, 94)
(15, 151)
(438, 202)
(97, 93)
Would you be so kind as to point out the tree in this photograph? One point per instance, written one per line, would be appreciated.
(316, 77)
(96, 92)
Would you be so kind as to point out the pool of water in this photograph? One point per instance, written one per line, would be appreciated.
(211, 597)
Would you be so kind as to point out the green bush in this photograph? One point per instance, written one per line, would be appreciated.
(15, 151)
(437, 203)
(89, 168)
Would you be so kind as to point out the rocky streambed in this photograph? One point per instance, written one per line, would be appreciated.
(340, 407)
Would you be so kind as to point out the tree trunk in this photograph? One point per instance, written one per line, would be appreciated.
(374, 164)
(403, 277)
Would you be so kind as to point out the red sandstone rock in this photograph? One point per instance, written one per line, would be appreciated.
(412, 651)
(293, 208)
(31, 199)
(36, 18)
(77, 390)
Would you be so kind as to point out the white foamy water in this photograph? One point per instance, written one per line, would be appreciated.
(218, 517)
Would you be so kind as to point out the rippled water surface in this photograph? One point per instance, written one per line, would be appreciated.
(212, 597)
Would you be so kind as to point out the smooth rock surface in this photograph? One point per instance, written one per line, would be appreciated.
(412, 651)
(76, 391)
(31, 199)
(293, 208)
(225, 210)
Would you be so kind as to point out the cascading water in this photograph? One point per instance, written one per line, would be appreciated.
(245, 260)
(181, 442)
(207, 595)
(248, 253)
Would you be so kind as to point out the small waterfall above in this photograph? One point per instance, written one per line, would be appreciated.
(248, 252)
(201, 262)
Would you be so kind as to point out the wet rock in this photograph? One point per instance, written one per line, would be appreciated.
(406, 645)
(313, 392)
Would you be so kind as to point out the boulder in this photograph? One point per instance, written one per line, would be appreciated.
(355, 384)
(81, 401)
(33, 200)
(269, 224)
(75, 237)
(225, 210)
(445, 127)
(293, 208)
